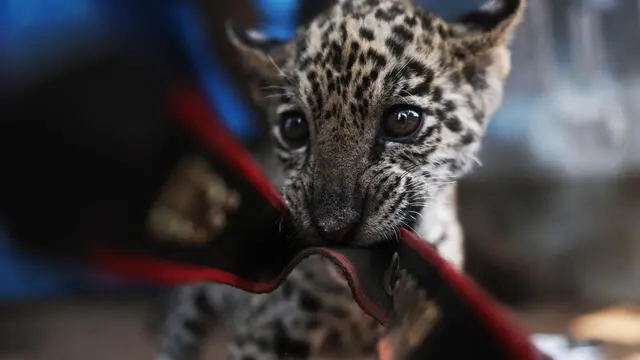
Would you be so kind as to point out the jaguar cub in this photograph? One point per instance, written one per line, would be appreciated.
(377, 107)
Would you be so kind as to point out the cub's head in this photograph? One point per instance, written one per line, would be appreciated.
(375, 107)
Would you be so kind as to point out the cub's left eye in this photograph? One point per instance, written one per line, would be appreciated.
(401, 122)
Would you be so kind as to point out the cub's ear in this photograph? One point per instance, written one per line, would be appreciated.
(258, 53)
(487, 28)
(478, 47)
(262, 58)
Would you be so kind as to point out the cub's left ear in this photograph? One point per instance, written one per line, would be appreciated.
(479, 47)
(259, 54)
(489, 27)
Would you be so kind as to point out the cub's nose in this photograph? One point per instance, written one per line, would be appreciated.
(335, 224)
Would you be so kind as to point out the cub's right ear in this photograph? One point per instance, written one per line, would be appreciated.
(256, 50)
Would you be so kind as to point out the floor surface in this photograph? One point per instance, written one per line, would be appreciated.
(107, 330)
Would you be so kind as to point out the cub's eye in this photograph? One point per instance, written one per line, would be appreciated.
(401, 122)
(294, 129)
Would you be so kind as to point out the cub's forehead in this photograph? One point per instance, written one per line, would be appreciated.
(368, 34)
(366, 51)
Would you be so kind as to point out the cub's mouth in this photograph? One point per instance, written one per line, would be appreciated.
(362, 229)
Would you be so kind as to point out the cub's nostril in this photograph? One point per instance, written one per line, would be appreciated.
(336, 226)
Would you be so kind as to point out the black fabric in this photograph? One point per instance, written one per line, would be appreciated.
(79, 178)
(85, 153)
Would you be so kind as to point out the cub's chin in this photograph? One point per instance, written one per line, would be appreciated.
(372, 232)
(368, 237)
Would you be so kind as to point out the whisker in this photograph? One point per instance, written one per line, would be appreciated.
(277, 67)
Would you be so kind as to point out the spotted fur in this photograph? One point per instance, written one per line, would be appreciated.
(343, 71)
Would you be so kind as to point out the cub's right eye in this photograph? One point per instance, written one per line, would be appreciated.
(294, 129)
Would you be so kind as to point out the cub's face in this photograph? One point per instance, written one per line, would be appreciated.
(375, 106)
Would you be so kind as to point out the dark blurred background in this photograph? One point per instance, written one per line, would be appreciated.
(551, 218)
